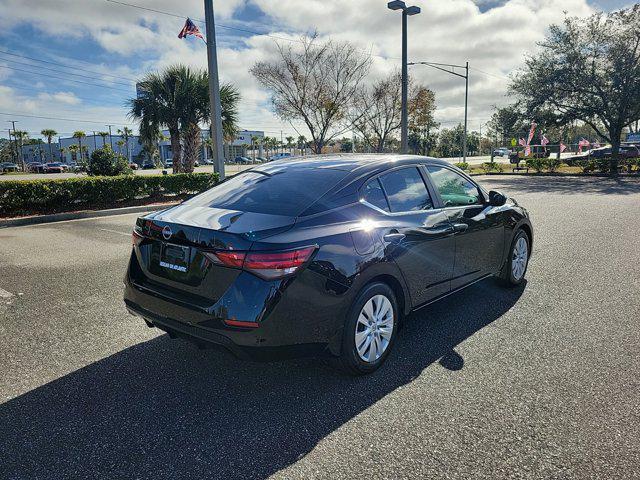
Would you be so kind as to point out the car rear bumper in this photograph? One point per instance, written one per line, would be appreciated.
(292, 322)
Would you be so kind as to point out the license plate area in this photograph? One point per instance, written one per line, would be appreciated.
(175, 257)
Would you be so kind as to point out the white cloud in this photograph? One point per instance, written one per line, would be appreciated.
(68, 98)
(451, 31)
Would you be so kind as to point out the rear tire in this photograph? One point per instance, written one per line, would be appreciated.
(515, 267)
(370, 330)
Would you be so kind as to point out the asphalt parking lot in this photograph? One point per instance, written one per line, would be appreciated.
(537, 382)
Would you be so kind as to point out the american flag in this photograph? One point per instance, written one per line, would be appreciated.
(544, 140)
(190, 28)
(563, 147)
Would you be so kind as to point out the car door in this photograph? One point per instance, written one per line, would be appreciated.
(479, 227)
(416, 236)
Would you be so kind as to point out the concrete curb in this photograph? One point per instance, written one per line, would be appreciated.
(60, 217)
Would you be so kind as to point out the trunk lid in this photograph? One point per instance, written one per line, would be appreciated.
(171, 257)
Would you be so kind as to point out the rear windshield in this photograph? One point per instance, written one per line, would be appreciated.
(288, 191)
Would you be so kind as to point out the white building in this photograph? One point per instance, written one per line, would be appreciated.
(239, 146)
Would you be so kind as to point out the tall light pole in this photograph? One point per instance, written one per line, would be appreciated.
(404, 119)
(440, 66)
(214, 91)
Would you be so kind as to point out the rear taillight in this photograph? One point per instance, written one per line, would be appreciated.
(136, 238)
(268, 265)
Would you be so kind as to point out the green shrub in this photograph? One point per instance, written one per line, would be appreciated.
(105, 162)
(538, 164)
(586, 165)
(43, 196)
(462, 165)
(552, 164)
(488, 167)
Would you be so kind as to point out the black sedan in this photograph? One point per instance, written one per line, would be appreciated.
(321, 255)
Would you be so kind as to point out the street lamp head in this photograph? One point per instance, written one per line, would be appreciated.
(396, 5)
(412, 10)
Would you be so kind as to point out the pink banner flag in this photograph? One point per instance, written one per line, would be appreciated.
(583, 143)
(563, 147)
(544, 140)
(532, 130)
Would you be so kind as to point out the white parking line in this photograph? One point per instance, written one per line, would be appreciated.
(115, 231)
(5, 294)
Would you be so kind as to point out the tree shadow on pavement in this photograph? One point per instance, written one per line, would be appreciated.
(565, 185)
(163, 409)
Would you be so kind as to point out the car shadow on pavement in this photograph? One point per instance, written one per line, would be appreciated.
(565, 185)
(163, 409)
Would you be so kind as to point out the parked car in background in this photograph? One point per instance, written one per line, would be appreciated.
(53, 167)
(321, 256)
(35, 167)
(6, 167)
(206, 161)
(148, 164)
(501, 152)
(242, 160)
(133, 165)
(168, 163)
(261, 160)
(279, 156)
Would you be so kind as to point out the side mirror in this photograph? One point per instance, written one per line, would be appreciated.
(496, 199)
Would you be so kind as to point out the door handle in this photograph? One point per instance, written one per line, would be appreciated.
(438, 230)
(394, 238)
(460, 227)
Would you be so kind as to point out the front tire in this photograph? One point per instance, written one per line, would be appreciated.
(515, 267)
(370, 330)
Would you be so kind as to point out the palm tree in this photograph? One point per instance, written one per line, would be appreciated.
(49, 133)
(74, 150)
(21, 136)
(126, 132)
(79, 134)
(178, 99)
(120, 144)
(254, 141)
(159, 102)
(208, 145)
(289, 143)
(302, 142)
(63, 152)
(104, 136)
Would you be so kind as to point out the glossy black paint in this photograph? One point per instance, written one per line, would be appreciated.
(422, 255)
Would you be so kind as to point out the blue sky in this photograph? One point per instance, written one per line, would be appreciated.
(78, 59)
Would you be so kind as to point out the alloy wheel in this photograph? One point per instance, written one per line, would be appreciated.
(519, 258)
(374, 328)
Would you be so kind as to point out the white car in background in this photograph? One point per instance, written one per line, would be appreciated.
(501, 152)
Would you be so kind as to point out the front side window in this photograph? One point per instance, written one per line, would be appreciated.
(406, 190)
(454, 189)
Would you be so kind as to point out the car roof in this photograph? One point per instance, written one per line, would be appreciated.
(349, 162)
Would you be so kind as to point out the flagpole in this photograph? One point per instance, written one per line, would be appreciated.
(214, 91)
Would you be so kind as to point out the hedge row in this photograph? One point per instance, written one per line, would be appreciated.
(45, 196)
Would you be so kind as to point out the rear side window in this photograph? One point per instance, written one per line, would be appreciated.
(287, 192)
(454, 189)
(406, 190)
(372, 193)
